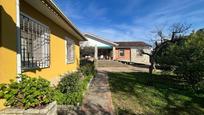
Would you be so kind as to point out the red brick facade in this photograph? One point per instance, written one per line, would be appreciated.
(122, 54)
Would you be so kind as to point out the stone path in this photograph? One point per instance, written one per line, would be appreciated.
(98, 99)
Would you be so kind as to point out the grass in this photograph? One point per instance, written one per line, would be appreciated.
(167, 96)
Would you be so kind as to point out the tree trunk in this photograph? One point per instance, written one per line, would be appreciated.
(152, 65)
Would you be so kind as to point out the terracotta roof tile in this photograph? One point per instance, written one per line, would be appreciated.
(133, 43)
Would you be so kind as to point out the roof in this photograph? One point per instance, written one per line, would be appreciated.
(53, 12)
(100, 39)
(133, 44)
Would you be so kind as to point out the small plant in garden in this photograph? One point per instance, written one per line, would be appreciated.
(88, 69)
(72, 86)
(28, 93)
(69, 83)
(70, 89)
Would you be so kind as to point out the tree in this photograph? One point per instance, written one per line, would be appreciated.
(177, 31)
(186, 58)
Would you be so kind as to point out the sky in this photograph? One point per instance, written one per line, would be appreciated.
(131, 20)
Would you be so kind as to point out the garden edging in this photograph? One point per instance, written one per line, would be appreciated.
(50, 109)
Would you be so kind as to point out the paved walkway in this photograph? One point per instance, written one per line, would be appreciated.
(98, 99)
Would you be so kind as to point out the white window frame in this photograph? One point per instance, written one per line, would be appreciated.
(69, 50)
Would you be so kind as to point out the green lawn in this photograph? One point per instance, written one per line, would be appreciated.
(132, 95)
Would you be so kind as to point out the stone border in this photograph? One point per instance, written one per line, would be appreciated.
(92, 77)
(50, 109)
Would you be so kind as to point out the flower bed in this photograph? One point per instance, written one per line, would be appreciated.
(29, 96)
(72, 88)
(35, 96)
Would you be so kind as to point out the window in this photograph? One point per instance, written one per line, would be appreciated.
(35, 42)
(69, 45)
(139, 52)
(122, 52)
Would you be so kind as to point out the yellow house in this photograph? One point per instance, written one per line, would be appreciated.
(36, 39)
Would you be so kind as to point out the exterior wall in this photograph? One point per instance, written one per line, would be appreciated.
(92, 43)
(137, 58)
(58, 64)
(7, 41)
(126, 56)
(8, 63)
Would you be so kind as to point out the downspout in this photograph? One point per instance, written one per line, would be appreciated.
(18, 41)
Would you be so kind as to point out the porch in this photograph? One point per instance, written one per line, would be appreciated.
(104, 53)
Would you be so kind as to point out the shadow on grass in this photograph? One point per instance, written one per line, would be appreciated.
(167, 95)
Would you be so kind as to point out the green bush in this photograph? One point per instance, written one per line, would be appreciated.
(59, 97)
(72, 86)
(88, 70)
(186, 58)
(69, 83)
(74, 97)
(29, 93)
(84, 83)
(85, 61)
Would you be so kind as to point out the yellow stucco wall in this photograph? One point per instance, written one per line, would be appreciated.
(7, 41)
(58, 65)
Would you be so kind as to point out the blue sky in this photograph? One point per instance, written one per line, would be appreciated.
(131, 20)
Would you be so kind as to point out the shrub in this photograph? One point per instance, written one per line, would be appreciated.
(59, 97)
(29, 93)
(88, 70)
(186, 58)
(69, 83)
(84, 62)
(72, 97)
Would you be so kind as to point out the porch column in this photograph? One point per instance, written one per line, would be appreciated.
(96, 52)
(113, 53)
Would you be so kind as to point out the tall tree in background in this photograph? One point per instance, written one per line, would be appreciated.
(177, 32)
(185, 58)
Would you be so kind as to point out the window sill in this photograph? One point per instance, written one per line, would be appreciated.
(72, 62)
(25, 69)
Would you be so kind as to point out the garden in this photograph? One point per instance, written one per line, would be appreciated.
(37, 93)
(168, 95)
(177, 88)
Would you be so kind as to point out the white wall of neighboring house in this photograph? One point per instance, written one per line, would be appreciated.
(92, 43)
(137, 58)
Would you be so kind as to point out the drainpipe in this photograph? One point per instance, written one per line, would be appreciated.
(18, 40)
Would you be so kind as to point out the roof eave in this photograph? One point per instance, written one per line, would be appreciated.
(66, 19)
(99, 38)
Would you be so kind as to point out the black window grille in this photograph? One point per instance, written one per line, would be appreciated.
(35, 42)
